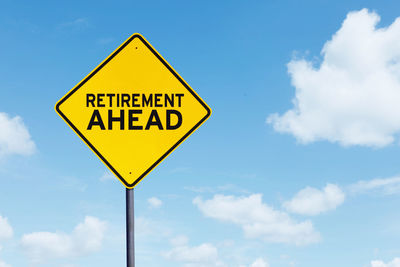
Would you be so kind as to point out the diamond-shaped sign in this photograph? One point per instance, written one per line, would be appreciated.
(133, 110)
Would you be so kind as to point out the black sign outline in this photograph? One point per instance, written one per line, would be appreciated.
(99, 68)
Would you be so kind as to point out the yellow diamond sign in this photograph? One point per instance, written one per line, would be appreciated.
(133, 110)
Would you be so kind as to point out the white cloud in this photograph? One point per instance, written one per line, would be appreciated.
(107, 175)
(6, 230)
(154, 202)
(204, 255)
(258, 220)
(312, 201)
(394, 263)
(87, 237)
(3, 264)
(260, 263)
(388, 186)
(14, 137)
(353, 97)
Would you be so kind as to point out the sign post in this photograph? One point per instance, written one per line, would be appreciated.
(133, 110)
(130, 227)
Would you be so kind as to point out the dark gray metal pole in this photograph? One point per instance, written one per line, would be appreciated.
(130, 228)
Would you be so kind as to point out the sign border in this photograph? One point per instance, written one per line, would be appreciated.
(99, 67)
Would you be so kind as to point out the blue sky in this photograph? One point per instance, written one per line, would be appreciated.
(297, 166)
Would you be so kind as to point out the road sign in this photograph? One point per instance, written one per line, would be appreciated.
(133, 110)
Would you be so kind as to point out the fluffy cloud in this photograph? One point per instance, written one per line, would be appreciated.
(312, 201)
(204, 255)
(258, 220)
(87, 237)
(6, 230)
(154, 202)
(107, 175)
(14, 137)
(388, 186)
(352, 96)
(259, 263)
(393, 263)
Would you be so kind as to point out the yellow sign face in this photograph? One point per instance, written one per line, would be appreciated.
(133, 110)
